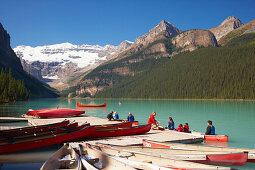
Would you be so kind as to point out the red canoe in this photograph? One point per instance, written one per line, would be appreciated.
(219, 138)
(116, 125)
(55, 113)
(45, 140)
(135, 123)
(154, 144)
(33, 129)
(80, 105)
(124, 131)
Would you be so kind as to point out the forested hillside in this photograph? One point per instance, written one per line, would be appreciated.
(214, 72)
(10, 88)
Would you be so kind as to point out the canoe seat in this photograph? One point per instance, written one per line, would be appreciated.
(94, 160)
(147, 161)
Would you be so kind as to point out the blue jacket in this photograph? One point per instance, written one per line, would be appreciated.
(212, 130)
(171, 125)
(131, 118)
(117, 116)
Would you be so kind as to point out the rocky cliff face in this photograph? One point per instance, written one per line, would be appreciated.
(193, 39)
(226, 26)
(163, 30)
(7, 56)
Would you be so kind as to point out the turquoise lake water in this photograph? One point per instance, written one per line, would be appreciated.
(233, 118)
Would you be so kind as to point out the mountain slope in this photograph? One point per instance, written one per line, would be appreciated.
(246, 28)
(206, 73)
(117, 71)
(8, 59)
(226, 26)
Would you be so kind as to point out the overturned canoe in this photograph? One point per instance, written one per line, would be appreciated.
(80, 105)
(156, 144)
(218, 138)
(44, 113)
(155, 160)
(204, 157)
(64, 158)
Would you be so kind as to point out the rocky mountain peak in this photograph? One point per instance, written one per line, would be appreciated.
(165, 26)
(163, 30)
(226, 26)
(232, 20)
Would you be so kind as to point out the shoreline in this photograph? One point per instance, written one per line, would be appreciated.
(156, 99)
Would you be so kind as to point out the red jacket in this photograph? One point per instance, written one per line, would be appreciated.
(152, 119)
(179, 129)
(186, 128)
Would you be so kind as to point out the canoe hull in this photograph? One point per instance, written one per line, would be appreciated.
(251, 152)
(55, 113)
(33, 129)
(219, 138)
(112, 132)
(235, 159)
(211, 158)
(54, 162)
(51, 140)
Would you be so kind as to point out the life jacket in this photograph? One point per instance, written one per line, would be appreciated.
(186, 128)
(179, 129)
(131, 118)
(212, 130)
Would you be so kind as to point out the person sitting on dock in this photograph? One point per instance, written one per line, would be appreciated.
(210, 130)
(186, 128)
(130, 117)
(170, 124)
(116, 116)
(152, 121)
(180, 128)
(110, 116)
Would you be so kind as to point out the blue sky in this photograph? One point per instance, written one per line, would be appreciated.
(44, 22)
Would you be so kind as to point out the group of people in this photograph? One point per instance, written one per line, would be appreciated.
(115, 116)
(181, 128)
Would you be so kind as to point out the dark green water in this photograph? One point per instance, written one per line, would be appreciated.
(233, 118)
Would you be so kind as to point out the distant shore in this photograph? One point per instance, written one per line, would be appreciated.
(89, 98)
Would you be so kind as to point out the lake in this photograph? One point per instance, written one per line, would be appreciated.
(233, 118)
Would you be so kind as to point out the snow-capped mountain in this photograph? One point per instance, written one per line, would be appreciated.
(60, 60)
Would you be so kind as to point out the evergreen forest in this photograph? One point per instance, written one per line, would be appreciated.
(226, 72)
(10, 88)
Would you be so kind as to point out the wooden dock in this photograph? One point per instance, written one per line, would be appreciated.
(157, 135)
